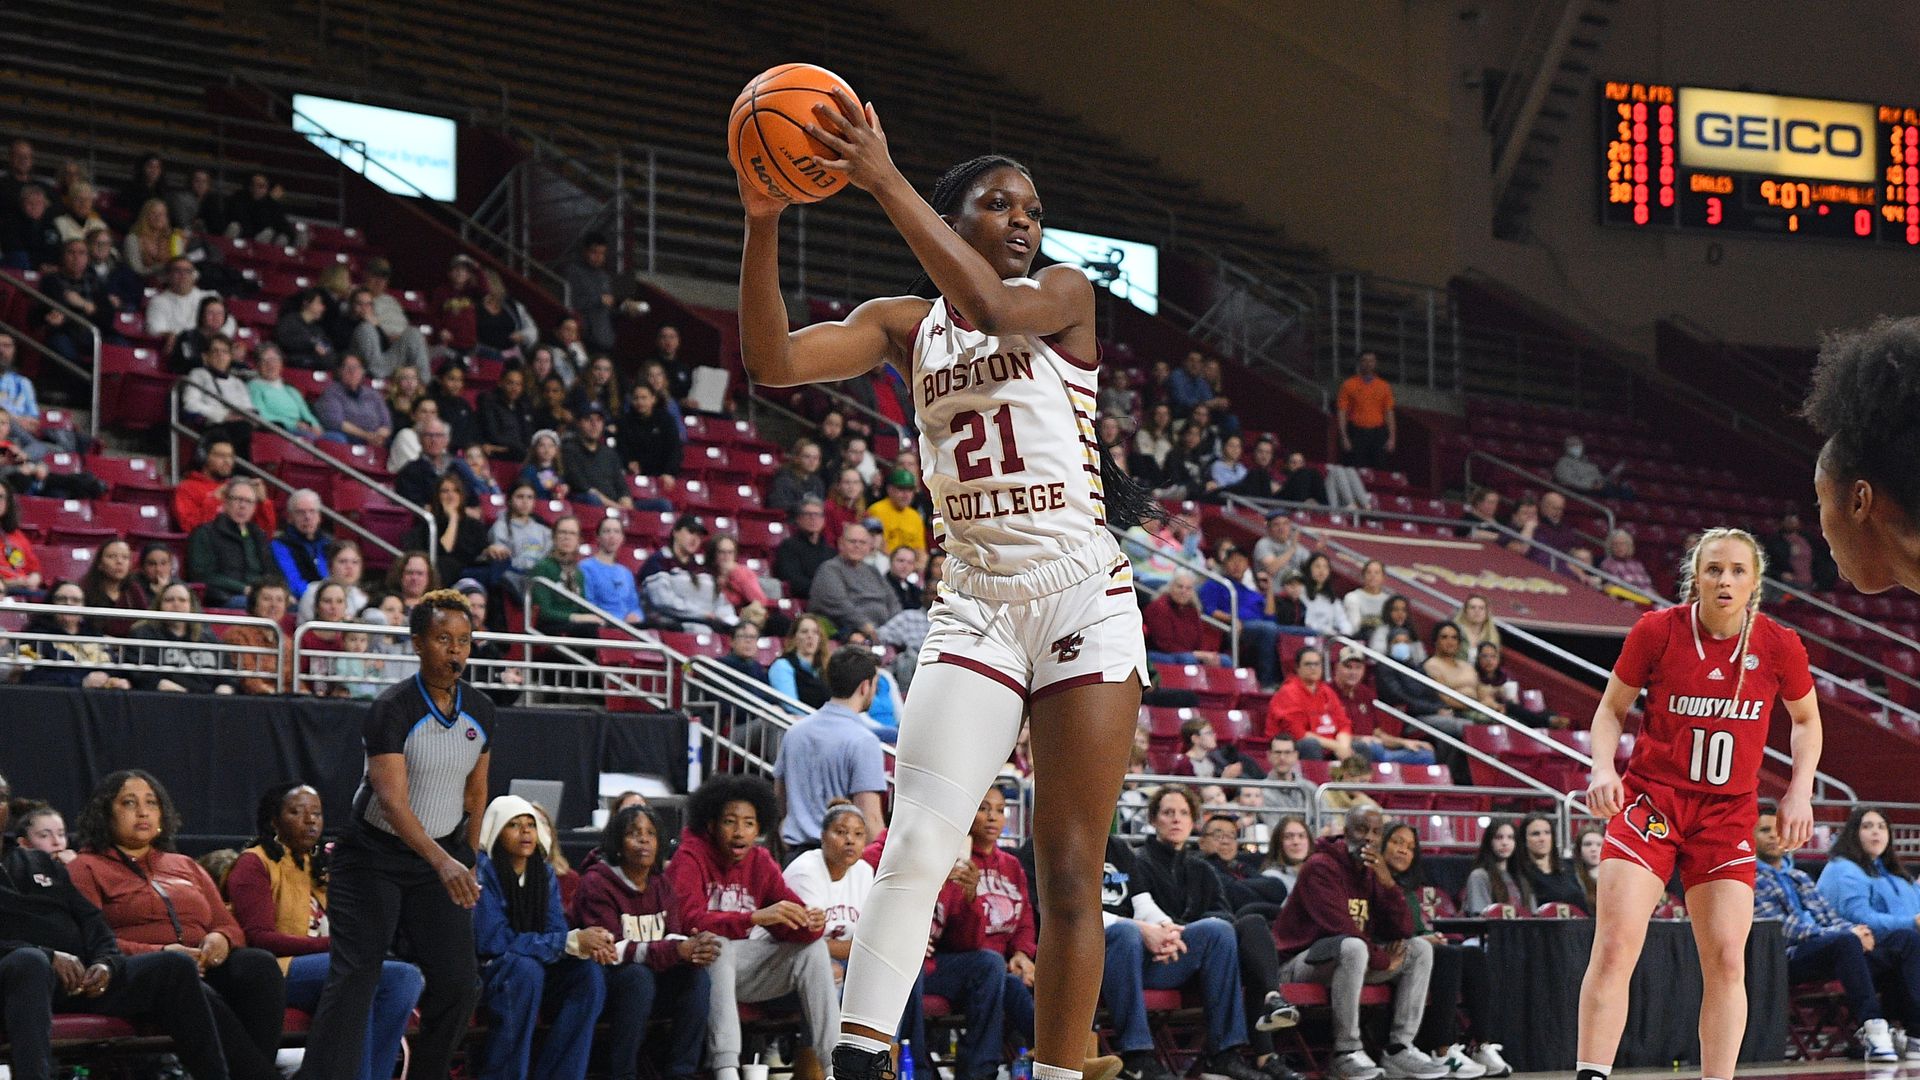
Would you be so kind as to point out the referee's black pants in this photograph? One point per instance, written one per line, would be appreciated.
(377, 887)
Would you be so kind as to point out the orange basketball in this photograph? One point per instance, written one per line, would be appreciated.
(767, 139)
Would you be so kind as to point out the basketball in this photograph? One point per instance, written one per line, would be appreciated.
(767, 139)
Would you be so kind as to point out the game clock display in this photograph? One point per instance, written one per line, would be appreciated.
(1691, 157)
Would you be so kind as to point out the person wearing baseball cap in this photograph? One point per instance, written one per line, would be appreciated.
(900, 522)
(678, 588)
(485, 655)
(593, 467)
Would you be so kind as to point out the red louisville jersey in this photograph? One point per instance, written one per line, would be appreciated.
(1696, 737)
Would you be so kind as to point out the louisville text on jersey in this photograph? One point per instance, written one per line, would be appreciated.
(992, 368)
(1693, 705)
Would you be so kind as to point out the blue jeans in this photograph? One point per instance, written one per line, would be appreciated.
(512, 989)
(1154, 657)
(1212, 956)
(972, 981)
(1260, 648)
(393, 1002)
(1836, 954)
(1377, 752)
(634, 993)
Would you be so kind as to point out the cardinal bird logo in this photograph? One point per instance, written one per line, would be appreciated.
(1642, 818)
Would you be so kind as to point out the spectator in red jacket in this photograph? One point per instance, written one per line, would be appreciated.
(1346, 924)
(724, 881)
(1307, 708)
(984, 959)
(1176, 634)
(1378, 736)
(197, 500)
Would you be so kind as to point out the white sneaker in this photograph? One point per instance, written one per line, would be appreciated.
(1488, 1055)
(1413, 1063)
(1353, 1065)
(1879, 1041)
(288, 1058)
(1459, 1065)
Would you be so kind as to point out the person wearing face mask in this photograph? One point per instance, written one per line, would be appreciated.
(1581, 473)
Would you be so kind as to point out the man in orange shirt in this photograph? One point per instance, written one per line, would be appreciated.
(1367, 429)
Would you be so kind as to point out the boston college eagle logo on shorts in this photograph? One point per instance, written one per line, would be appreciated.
(1067, 648)
(1642, 818)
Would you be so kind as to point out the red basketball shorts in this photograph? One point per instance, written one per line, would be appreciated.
(1710, 837)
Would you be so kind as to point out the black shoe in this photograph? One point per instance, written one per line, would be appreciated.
(1280, 1013)
(1229, 1065)
(1143, 1065)
(853, 1063)
(1277, 1068)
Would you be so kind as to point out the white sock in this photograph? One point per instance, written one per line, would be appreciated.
(1588, 1066)
(861, 1042)
(1053, 1072)
(730, 1072)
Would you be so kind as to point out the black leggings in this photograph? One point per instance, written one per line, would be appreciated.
(1461, 979)
(1259, 973)
(249, 1003)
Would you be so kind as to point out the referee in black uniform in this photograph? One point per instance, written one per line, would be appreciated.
(406, 861)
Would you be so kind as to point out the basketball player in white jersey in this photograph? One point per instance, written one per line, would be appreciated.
(1037, 609)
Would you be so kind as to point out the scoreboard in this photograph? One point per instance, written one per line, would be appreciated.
(1688, 157)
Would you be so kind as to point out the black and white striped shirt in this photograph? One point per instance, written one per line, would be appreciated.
(440, 750)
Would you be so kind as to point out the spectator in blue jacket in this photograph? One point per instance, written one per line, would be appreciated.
(610, 586)
(1864, 879)
(530, 961)
(304, 544)
(1824, 944)
(1259, 634)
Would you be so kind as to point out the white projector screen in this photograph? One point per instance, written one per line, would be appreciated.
(1130, 270)
(413, 153)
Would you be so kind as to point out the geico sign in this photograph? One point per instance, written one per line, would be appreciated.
(1762, 133)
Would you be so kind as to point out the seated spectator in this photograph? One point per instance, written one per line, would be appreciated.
(122, 289)
(214, 393)
(661, 968)
(1280, 552)
(743, 655)
(406, 388)
(1117, 398)
(798, 558)
(1549, 877)
(266, 599)
(201, 208)
(1155, 438)
(24, 467)
(1476, 623)
(1247, 889)
(800, 671)
(1462, 979)
(1499, 692)
(1365, 603)
(384, 352)
(78, 218)
(1865, 880)
(846, 501)
(231, 551)
(417, 480)
(832, 754)
(1226, 472)
(598, 383)
(19, 172)
(903, 576)
(279, 894)
(1302, 483)
(1335, 805)
(1260, 481)
(329, 606)
(458, 541)
(609, 585)
(680, 592)
(1376, 737)
(1202, 755)
(1259, 634)
(351, 410)
(1404, 692)
(61, 958)
(506, 417)
(79, 292)
(1621, 563)
(900, 521)
(740, 586)
(720, 869)
(1823, 944)
(1450, 667)
(1183, 473)
(158, 567)
(1578, 471)
(1191, 894)
(1493, 880)
(275, 401)
(182, 646)
(110, 582)
(302, 333)
(550, 400)
(449, 391)
(832, 876)
(555, 613)
(1794, 559)
(1481, 519)
(38, 827)
(595, 474)
(850, 592)
(501, 324)
(33, 240)
(649, 439)
(1316, 937)
(19, 563)
(799, 479)
(1292, 846)
(80, 664)
(678, 371)
(1326, 614)
(530, 962)
(152, 241)
(254, 213)
(525, 537)
(1307, 709)
(571, 356)
(21, 403)
(301, 548)
(156, 900)
(654, 373)
(544, 469)
(1394, 614)
(1552, 536)
(345, 564)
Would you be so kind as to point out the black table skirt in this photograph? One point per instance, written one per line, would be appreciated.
(1537, 967)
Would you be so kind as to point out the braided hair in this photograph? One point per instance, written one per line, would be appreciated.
(1690, 592)
(524, 897)
(1866, 403)
(266, 818)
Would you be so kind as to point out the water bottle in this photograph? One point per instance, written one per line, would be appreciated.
(1023, 1065)
(906, 1059)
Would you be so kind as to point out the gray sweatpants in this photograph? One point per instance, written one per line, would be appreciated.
(761, 969)
(1345, 976)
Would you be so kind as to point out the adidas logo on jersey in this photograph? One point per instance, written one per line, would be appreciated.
(1744, 846)
(1716, 674)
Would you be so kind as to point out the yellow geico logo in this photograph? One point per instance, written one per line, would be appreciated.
(1761, 133)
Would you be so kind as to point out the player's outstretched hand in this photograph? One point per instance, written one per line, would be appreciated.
(1605, 793)
(759, 204)
(1796, 821)
(853, 132)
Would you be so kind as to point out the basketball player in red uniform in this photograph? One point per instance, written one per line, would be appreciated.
(1866, 403)
(1711, 669)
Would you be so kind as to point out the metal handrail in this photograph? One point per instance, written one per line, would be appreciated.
(263, 424)
(46, 353)
(93, 419)
(1839, 612)
(621, 682)
(1545, 482)
(1472, 704)
(201, 618)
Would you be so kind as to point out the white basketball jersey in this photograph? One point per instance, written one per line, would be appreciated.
(1007, 445)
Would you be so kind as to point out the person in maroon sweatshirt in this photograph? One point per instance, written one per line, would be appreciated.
(985, 956)
(662, 968)
(1346, 924)
(725, 882)
(1176, 634)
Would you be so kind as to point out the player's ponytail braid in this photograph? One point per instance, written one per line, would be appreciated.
(1690, 592)
(951, 189)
